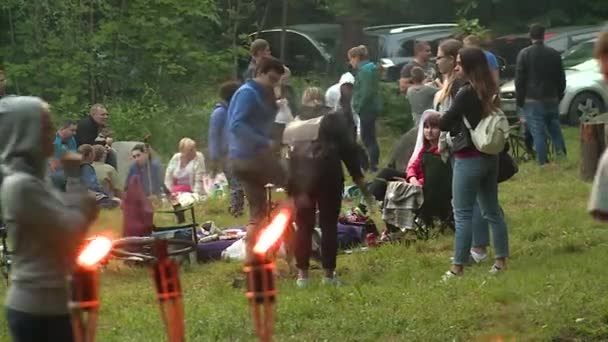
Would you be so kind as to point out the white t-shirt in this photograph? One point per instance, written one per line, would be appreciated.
(183, 175)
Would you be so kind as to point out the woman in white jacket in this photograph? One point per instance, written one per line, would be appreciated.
(186, 169)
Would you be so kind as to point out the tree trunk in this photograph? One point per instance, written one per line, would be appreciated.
(593, 142)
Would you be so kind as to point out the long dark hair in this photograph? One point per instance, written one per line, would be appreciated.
(475, 66)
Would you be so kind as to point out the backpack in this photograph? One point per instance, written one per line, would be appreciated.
(491, 133)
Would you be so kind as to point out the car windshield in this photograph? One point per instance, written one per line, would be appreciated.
(578, 54)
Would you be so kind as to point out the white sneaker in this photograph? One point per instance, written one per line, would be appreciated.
(478, 257)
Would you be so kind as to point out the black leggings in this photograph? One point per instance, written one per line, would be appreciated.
(328, 200)
(26, 327)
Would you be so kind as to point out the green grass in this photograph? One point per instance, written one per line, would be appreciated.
(554, 290)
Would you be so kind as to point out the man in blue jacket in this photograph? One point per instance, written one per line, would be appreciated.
(251, 151)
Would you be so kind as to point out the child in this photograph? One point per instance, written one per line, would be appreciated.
(419, 95)
(430, 140)
(88, 178)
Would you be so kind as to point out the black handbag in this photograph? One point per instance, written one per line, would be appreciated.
(461, 140)
(507, 166)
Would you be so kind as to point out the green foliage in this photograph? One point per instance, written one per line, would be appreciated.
(396, 116)
(472, 27)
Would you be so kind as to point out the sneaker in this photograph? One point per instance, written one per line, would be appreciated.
(333, 281)
(478, 257)
(496, 270)
(302, 283)
(449, 275)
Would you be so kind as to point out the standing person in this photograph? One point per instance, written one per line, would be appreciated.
(147, 168)
(366, 100)
(475, 175)
(540, 82)
(319, 142)
(259, 49)
(422, 59)
(419, 95)
(90, 131)
(598, 204)
(186, 169)
(251, 150)
(218, 147)
(287, 106)
(474, 41)
(332, 95)
(45, 227)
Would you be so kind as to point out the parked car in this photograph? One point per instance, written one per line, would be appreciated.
(394, 47)
(579, 53)
(309, 47)
(585, 96)
(559, 38)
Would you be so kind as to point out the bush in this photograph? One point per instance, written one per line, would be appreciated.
(396, 115)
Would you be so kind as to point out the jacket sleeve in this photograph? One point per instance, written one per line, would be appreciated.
(216, 127)
(366, 90)
(521, 79)
(157, 181)
(199, 174)
(170, 169)
(561, 77)
(31, 205)
(85, 132)
(239, 117)
(346, 145)
(457, 110)
(89, 178)
(415, 169)
(130, 174)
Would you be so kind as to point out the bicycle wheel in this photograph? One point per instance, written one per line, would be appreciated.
(141, 248)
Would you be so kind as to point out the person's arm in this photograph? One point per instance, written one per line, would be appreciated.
(561, 77)
(131, 173)
(173, 164)
(239, 116)
(367, 88)
(521, 77)
(89, 178)
(415, 169)
(30, 204)
(216, 128)
(157, 182)
(199, 174)
(347, 147)
(459, 108)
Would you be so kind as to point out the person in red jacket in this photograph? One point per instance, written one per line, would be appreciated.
(430, 144)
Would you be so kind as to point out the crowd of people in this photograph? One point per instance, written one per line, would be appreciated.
(260, 134)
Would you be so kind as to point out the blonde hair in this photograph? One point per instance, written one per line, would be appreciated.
(186, 143)
(358, 51)
(450, 48)
(313, 96)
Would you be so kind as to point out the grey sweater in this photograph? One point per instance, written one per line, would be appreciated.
(44, 227)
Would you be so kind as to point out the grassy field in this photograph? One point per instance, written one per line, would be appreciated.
(554, 290)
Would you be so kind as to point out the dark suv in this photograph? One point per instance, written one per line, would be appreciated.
(395, 47)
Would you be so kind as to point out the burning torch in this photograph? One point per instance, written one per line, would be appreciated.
(261, 287)
(169, 292)
(84, 289)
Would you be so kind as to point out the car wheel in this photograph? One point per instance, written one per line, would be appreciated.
(585, 106)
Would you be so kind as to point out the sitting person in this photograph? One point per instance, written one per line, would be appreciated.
(148, 170)
(107, 175)
(88, 177)
(402, 200)
(429, 138)
(64, 142)
(186, 169)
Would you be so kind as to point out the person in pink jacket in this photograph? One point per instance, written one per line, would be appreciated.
(430, 143)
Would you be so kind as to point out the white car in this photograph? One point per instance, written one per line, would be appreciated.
(586, 94)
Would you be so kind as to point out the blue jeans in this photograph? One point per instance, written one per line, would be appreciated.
(368, 135)
(475, 180)
(26, 327)
(543, 117)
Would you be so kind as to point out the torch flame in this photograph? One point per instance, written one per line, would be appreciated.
(273, 232)
(95, 251)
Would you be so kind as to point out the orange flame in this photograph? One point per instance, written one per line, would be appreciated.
(95, 251)
(273, 232)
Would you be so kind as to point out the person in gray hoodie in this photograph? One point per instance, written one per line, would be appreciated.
(45, 228)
